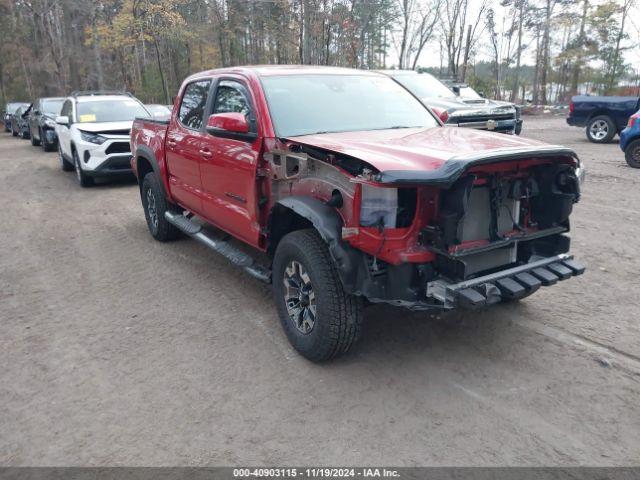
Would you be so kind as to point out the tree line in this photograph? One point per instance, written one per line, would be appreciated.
(542, 50)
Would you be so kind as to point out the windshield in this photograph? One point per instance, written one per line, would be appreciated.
(424, 85)
(307, 104)
(52, 106)
(158, 111)
(13, 107)
(110, 111)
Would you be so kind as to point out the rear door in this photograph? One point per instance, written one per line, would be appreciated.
(184, 143)
(229, 166)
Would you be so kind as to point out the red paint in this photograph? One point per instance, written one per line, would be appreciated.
(227, 181)
(231, 122)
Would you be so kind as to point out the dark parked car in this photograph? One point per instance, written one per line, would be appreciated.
(469, 96)
(453, 110)
(20, 122)
(604, 117)
(630, 141)
(9, 110)
(42, 122)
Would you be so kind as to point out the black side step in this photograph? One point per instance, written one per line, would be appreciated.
(233, 254)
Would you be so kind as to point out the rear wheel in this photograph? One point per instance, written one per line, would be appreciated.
(632, 154)
(83, 179)
(319, 318)
(601, 129)
(155, 205)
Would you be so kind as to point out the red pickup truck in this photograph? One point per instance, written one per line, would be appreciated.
(357, 193)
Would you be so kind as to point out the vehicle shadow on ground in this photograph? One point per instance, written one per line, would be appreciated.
(391, 332)
(125, 181)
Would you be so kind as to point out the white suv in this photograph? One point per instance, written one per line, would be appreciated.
(93, 134)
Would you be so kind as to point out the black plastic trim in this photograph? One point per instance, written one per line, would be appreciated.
(453, 168)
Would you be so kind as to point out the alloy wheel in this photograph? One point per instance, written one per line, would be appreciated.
(599, 129)
(299, 297)
(76, 163)
(152, 209)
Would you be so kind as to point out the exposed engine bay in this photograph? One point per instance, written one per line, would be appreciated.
(418, 239)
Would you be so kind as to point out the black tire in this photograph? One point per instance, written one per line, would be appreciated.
(46, 146)
(159, 227)
(632, 154)
(601, 129)
(83, 179)
(64, 165)
(337, 316)
(518, 129)
(34, 142)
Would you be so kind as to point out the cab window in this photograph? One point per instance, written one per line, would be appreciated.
(193, 104)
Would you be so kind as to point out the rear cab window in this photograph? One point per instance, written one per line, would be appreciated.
(194, 104)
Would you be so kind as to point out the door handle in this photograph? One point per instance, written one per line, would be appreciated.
(205, 152)
(171, 143)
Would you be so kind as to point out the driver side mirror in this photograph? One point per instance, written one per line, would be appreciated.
(62, 120)
(230, 125)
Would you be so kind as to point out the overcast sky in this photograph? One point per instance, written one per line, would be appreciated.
(430, 56)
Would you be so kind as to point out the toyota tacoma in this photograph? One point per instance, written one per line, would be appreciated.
(356, 193)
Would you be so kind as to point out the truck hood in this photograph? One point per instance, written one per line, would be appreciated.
(99, 127)
(470, 107)
(434, 155)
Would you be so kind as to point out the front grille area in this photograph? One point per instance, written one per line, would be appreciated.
(116, 132)
(118, 147)
(482, 118)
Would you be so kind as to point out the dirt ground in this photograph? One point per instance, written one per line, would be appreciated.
(119, 350)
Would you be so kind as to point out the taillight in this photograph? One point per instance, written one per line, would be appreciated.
(633, 119)
(571, 107)
(442, 114)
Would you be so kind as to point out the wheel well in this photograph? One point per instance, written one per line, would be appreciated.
(283, 220)
(144, 167)
(598, 113)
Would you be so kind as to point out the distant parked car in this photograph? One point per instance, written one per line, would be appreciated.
(93, 133)
(453, 110)
(630, 141)
(9, 110)
(159, 112)
(20, 122)
(42, 122)
(469, 96)
(603, 117)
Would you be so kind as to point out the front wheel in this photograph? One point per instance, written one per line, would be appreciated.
(320, 319)
(600, 129)
(35, 142)
(632, 154)
(46, 146)
(83, 179)
(64, 165)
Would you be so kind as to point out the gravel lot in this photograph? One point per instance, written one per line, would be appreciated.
(118, 350)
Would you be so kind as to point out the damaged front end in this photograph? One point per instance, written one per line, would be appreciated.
(473, 232)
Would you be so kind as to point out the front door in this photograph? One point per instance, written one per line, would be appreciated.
(183, 145)
(229, 166)
(64, 135)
